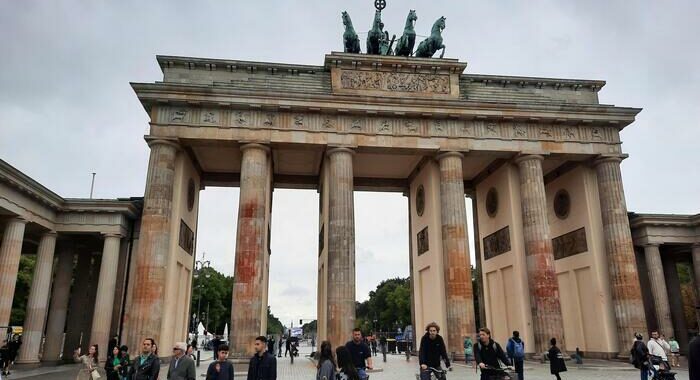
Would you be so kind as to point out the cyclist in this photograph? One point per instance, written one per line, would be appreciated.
(432, 349)
(487, 352)
(359, 352)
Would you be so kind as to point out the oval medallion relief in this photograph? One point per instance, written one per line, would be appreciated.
(492, 202)
(562, 204)
(420, 200)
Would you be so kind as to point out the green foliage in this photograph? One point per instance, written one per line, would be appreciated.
(309, 327)
(274, 326)
(216, 292)
(389, 305)
(24, 284)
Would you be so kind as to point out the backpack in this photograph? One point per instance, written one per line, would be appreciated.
(518, 349)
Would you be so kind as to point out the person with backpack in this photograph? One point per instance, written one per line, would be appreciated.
(432, 349)
(639, 356)
(487, 354)
(516, 352)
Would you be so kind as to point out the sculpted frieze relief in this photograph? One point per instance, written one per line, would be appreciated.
(395, 82)
(387, 125)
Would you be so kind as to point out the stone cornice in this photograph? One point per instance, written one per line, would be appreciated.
(28, 186)
(211, 64)
(556, 83)
(672, 220)
(207, 96)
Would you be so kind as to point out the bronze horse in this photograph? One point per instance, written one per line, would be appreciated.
(375, 35)
(351, 43)
(408, 39)
(430, 45)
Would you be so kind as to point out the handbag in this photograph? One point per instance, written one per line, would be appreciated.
(95, 375)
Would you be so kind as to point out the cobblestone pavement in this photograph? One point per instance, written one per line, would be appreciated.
(396, 368)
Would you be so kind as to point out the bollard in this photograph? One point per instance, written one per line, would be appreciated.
(197, 358)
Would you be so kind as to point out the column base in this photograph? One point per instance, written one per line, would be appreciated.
(240, 364)
(28, 364)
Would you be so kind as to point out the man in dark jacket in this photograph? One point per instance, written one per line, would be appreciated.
(263, 365)
(432, 349)
(146, 366)
(487, 352)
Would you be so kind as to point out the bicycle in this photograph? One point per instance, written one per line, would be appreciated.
(506, 373)
(435, 373)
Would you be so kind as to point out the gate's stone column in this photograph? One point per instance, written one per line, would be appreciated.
(658, 288)
(624, 279)
(248, 278)
(458, 279)
(104, 302)
(38, 300)
(10, 252)
(154, 245)
(341, 246)
(58, 309)
(542, 277)
(696, 267)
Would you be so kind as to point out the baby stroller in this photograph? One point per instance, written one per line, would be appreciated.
(659, 369)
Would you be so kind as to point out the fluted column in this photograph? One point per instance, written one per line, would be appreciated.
(455, 251)
(539, 255)
(58, 307)
(248, 277)
(696, 268)
(148, 294)
(104, 301)
(10, 252)
(658, 288)
(38, 301)
(341, 246)
(624, 279)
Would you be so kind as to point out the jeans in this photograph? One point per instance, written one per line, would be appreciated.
(362, 373)
(518, 364)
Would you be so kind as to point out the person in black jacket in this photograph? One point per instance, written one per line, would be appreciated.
(147, 365)
(487, 353)
(556, 359)
(694, 358)
(432, 349)
(263, 365)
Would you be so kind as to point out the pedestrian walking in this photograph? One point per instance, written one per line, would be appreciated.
(657, 350)
(516, 352)
(487, 353)
(556, 359)
(263, 365)
(221, 369)
(287, 345)
(89, 369)
(123, 368)
(675, 352)
(432, 348)
(468, 349)
(113, 359)
(346, 366)
(280, 342)
(181, 366)
(147, 365)
(271, 345)
(4, 357)
(325, 369)
(639, 355)
(360, 353)
(694, 358)
(374, 345)
(215, 345)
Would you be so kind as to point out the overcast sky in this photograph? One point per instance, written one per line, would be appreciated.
(66, 107)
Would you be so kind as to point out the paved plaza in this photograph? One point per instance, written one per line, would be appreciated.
(396, 368)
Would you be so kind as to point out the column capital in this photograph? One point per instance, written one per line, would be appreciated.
(112, 234)
(254, 145)
(450, 153)
(645, 245)
(527, 157)
(153, 141)
(603, 158)
(50, 233)
(19, 219)
(339, 149)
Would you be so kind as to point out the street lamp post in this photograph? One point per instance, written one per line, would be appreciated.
(199, 266)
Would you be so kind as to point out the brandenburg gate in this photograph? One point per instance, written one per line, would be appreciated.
(539, 157)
